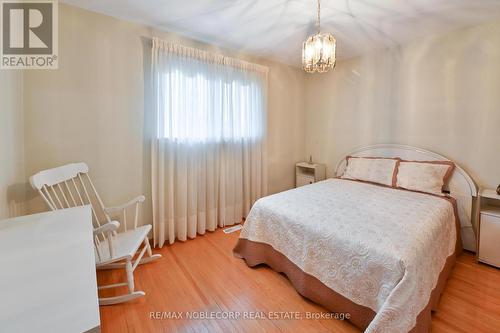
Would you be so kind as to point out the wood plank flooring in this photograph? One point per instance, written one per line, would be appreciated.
(202, 275)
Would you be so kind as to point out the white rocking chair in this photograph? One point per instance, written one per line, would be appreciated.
(70, 186)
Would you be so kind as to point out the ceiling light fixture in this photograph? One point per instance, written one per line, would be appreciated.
(318, 51)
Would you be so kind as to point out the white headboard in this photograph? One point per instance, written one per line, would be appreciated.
(461, 185)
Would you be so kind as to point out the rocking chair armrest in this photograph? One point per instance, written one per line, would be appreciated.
(110, 210)
(106, 228)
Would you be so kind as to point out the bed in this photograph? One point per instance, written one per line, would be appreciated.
(380, 254)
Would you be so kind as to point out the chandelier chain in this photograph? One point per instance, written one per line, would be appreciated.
(319, 16)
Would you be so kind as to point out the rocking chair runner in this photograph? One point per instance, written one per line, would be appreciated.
(70, 186)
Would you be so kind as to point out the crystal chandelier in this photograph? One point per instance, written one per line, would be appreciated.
(318, 51)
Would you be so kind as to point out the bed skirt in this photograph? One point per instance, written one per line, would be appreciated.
(256, 253)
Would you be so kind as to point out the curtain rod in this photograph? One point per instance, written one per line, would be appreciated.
(207, 56)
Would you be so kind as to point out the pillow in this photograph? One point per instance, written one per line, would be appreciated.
(429, 177)
(378, 170)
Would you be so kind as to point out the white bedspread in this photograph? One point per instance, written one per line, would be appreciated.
(379, 247)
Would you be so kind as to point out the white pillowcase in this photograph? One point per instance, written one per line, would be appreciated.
(371, 169)
(429, 177)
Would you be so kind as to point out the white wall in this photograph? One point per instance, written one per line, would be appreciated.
(441, 93)
(11, 144)
(93, 108)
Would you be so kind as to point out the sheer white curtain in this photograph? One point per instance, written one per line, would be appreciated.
(209, 155)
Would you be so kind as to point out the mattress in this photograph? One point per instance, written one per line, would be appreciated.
(381, 250)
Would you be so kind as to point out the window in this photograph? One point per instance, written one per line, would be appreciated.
(207, 102)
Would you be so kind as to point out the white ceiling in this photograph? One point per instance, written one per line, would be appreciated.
(276, 28)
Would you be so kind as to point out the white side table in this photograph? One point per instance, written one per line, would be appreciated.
(489, 228)
(308, 173)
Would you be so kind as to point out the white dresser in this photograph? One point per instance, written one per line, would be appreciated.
(489, 228)
(47, 273)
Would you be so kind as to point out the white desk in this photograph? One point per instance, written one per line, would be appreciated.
(47, 273)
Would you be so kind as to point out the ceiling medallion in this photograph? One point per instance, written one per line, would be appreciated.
(318, 51)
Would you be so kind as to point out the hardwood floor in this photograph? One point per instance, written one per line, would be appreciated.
(202, 275)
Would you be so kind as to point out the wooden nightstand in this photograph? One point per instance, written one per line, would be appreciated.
(308, 173)
(488, 238)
